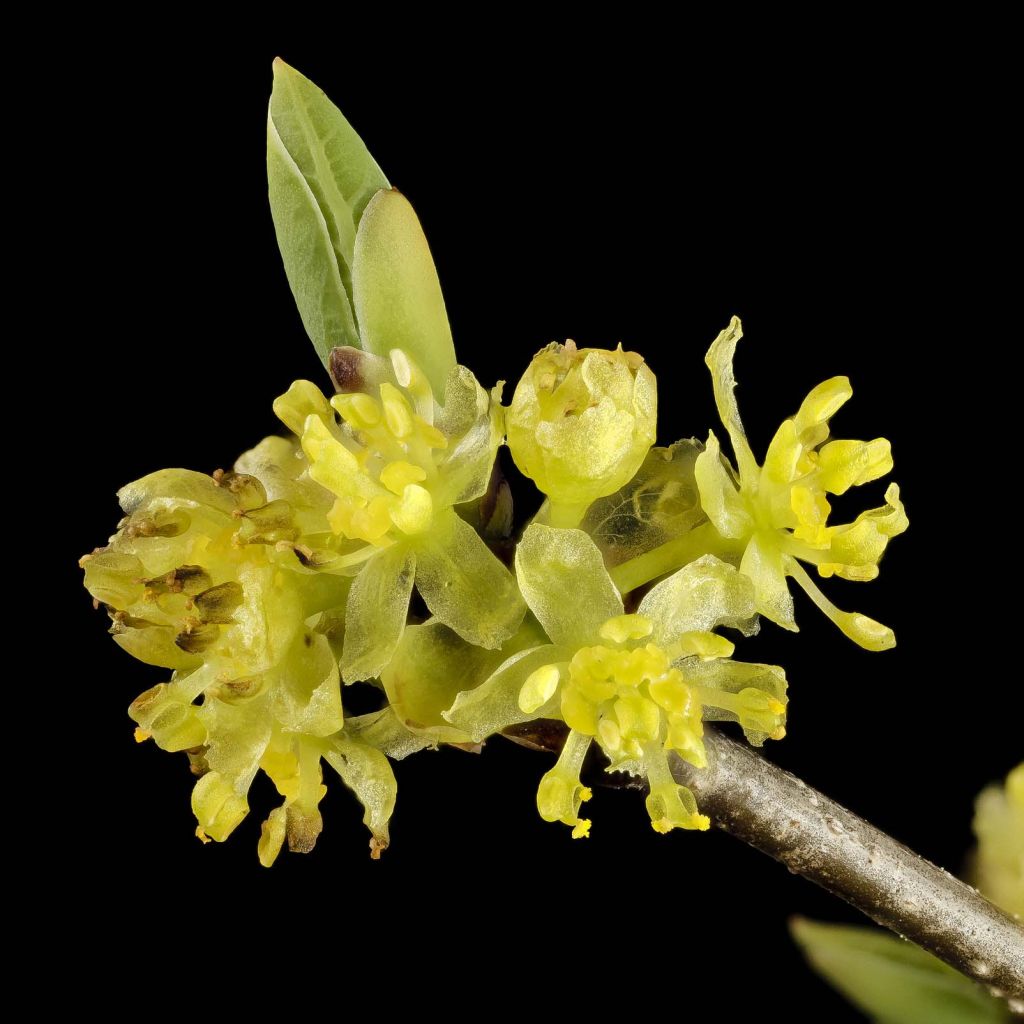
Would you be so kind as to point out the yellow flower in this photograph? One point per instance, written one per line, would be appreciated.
(638, 685)
(580, 424)
(203, 578)
(999, 826)
(395, 466)
(777, 513)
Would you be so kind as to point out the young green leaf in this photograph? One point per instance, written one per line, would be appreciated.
(398, 300)
(893, 981)
(321, 177)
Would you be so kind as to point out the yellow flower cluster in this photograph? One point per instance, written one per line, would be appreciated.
(264, 589)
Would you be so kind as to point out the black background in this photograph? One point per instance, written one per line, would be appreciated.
(565, 193)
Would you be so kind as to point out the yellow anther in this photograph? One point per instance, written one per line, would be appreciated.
(395, 476)
(707, 646)
(538, 689)
(560, 792)
(302, 400)
(358, 410)
(217, 807)
(397, 414)
(672, 806)
(415, 512)
(685, 738)
(811, 509)
(638, 717)
(325, 451)
(845, 464)
(372, 522)
(430, 435)
(626, 627)
(866, 632)
(672, 693)
(578, 712)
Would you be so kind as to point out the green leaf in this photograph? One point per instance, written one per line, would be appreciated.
(894, 981)
(397, 295)
(321, 177)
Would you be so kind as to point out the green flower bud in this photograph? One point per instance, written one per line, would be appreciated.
(581, 423)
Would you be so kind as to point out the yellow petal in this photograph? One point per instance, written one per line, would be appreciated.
(763, 563)
(415, 513)
(465, 585)
(562, 576)
(378, 604)
(823, 402)
(845, 464)
(302, 400)
(719, 360)
(218, 808)
(621, 628)
(719, 496)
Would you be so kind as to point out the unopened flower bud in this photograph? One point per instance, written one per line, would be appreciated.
(581, 423)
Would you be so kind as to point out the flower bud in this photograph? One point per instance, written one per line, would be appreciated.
(582, 421)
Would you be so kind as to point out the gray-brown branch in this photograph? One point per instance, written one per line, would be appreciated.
(813, 836)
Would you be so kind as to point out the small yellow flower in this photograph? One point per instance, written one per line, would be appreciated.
(639, 685)
(580, 424)
(999, 826)
(396, 465)
(203, 578)
(777, 513)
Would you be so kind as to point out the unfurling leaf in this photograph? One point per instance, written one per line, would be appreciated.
(397, 295)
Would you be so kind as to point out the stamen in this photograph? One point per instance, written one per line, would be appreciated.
(867, 633)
